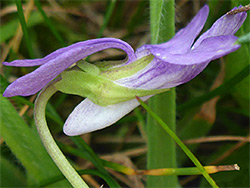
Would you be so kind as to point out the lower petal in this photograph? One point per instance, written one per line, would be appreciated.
(88, 117)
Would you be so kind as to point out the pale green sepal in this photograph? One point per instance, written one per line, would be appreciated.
(88, 67)
(127, 70)
(106, 65)
(98, 89)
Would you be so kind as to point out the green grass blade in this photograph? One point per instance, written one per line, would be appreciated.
(180, 143)
(81, 172)
(86, 152)
(8, 29)
(24, 27)
(49, 23)
(107, 17)
(156, 9)
(25, 144)
(11, 175)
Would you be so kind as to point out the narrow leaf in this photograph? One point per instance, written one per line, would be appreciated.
(25, 144)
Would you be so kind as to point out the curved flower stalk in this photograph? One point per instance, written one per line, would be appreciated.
(110, 87)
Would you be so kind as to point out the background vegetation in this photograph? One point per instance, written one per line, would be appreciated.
(214, 123)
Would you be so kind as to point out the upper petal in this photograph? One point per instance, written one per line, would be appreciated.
(184, 38)
(88, 117)
(57, 62)
(225, 25)
(209, 49)
(92, 46)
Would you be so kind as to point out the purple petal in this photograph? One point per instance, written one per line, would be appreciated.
(170, 70)
(159, 74)
(57, 62)
(88, 117)
(35, 62)
(183, 39)
(226, 25)
(209, 49)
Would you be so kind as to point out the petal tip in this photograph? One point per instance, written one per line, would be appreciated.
(6, 63)
(206, 7)
(8, 93)
(204, 10)
(5, 94)
(68, 132)
(74, 130)
(74, 127)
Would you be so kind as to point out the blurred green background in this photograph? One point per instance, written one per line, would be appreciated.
(219, 117)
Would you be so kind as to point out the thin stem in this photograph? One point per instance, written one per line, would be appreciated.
(48, 141)
(180, 143)
(181, 171)
(153, 172)
(216, 139)
(186, 171)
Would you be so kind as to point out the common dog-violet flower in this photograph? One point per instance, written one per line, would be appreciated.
(110, 87)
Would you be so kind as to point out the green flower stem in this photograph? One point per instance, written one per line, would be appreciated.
(161, 147)
(180, 143)
(48, 141)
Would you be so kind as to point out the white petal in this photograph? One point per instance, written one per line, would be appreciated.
(88, 117)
